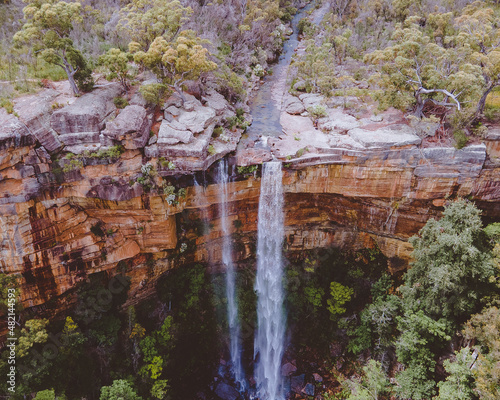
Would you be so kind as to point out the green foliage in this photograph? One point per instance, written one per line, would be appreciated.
(8, 282)
(315, 67)
(421, 336)
(153, 93)
(7, 105)
(34, 332)
(73, 164)
(47, 28)
(143, 21)
(175, 62)
(211, 150)
(46, 395)
(485, 327)
(493, 231)
(117, 64)
(230, 84)
(317, 111)
(119, 390)
(417, 70)
(339, 295)
(304, 26)
(461, 139)
(459, 385)
(166, 163)
(247, 170)
(452, 265)
(371, 386)
(120, 102)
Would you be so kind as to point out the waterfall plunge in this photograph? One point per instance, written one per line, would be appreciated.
(270, 317)
(232, 305)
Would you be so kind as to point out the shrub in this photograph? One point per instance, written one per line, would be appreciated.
(317, 111)
(120, 102)
(153, 93)
(8, 105)
(460, 139)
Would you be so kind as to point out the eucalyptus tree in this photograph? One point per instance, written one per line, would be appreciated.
(177, 61)
(479, 29)
(47, 29)
(145, 20)
(416, 70)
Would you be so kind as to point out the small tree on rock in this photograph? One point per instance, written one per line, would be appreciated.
(175, 62)
(417, 70)
(47, 28)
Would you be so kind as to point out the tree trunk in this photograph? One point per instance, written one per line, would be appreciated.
(71, 72)
(419, 108)
(482, 100)
(179, 91)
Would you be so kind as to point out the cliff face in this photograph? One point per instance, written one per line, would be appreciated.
(55, 233)
(56, 227)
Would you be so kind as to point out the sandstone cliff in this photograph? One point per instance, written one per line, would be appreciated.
(60, 222)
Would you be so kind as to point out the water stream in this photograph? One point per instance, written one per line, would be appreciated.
(227, 259)
(267, 103)
(269, 339)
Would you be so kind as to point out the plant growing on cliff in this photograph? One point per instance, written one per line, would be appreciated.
(418, 70)
(117, 64)
(47, 29)
(175, 62)
(452, 267)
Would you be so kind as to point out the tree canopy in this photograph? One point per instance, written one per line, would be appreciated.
(47, 28)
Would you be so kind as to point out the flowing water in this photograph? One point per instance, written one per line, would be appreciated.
(267, 103)
(269, 339)
(227, 259)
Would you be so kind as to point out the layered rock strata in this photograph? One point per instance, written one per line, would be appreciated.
(112, 214)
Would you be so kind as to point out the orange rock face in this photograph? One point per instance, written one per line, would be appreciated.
(58, 228)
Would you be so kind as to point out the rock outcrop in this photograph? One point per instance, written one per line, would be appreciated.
(58, 225)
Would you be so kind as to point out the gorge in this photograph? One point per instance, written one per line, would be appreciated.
(213, 224)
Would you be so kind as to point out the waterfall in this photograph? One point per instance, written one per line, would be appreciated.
(227, 259)
(270, 334)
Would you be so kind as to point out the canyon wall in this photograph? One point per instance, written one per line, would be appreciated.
(57, 228)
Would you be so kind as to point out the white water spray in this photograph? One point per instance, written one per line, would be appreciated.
(270, 334)
(232, 305)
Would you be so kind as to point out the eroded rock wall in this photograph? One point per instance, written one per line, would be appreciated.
(58, 228)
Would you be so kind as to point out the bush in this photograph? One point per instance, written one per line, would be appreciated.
(304, 26)
(120, 102)
(317, 111)
(8, 105)
(460, 139)
(153, 93)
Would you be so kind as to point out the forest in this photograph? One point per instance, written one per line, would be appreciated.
(432, 332)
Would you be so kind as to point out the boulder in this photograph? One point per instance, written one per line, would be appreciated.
(131, 127)
(424, 128)
(308, 390)
(288, 369)
(311, 99)
(172, 133)
(172, 110)
(13, 133)
(34, 112)
(226, 392)
(317, 377)
(198, 119)
(216, 101)
(389, 136)
(297, 383)
(300, 86)
(87, 113)
(294, 106)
